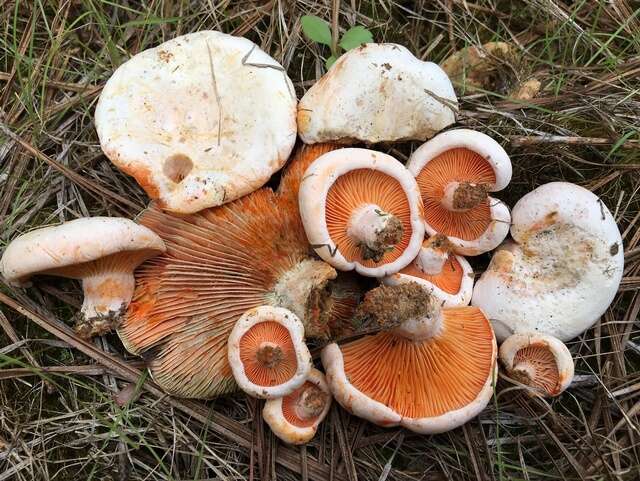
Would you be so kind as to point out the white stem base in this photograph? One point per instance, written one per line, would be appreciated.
(431, 261)
(420, 329)
(105, 297)
(374, 229)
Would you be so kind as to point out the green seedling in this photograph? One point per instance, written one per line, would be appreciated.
(319, 31)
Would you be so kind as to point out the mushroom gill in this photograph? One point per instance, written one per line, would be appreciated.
(221, 262)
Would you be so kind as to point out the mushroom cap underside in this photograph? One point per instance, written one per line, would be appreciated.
(538, 360)
(267, 352)
(427, 386)
(340, 183)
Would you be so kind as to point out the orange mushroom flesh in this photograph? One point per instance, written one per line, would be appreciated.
(220, 263)
(454, 191)
(368, 216)
(267, 354)
(535, 365)
(303, 406)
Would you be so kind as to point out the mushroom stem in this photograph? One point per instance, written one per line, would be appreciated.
(311, 402)
(106, 296)
(375, 231)
(431, 261)
(304, 291)
(420, 329)
(463, 196)
(269, 354)
(523, 373)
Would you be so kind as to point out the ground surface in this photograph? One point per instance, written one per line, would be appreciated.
(75, 421)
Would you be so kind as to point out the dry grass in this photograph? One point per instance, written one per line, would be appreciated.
(81, 418)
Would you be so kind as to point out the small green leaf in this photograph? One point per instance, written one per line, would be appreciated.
(355, 36)
(330, 61)
(316, 29)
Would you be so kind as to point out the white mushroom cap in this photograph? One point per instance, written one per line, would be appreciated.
(101, 251)
(295, 418)
(350, 199)
(562, 271)
(428, 385)
(538, 360)
(447, 277)
(377, 93)
(267, 352)
(199, 120)
(463, 157)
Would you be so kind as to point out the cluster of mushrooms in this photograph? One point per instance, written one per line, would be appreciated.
(232, 279)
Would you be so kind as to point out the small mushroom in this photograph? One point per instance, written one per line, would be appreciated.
(361, 210)
(538, 360)
(294, 418)
(377, 93)
(102, 252)
(199, 120)
(455, 172)
(431, 371)
(267, 352)
(562, 269)
(446, 276)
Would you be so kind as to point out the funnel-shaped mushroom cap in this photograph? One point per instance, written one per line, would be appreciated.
(295, 417)
(199, 120)
(361, 210)
(455, 170)
(537, 360)
(429, 375)
(267, 352)
(101, 251)
(444, 275)
(562, 270)
(377, 93)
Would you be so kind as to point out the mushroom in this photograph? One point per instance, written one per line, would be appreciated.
(199, 120)
(294, 418)
(562, 269)
(361, 210)
(455, 171)
(102, 252)
(267, 352)
(220, 263)
(377, 93)
(447, 277)
(430, 371)
(538, 360)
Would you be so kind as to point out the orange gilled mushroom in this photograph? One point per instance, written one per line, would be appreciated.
(446, 276)
(432, 371)
(294, 418)
(362, 211)
(220, 263)
(455, 171)
(267, 352)
(540, 361)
